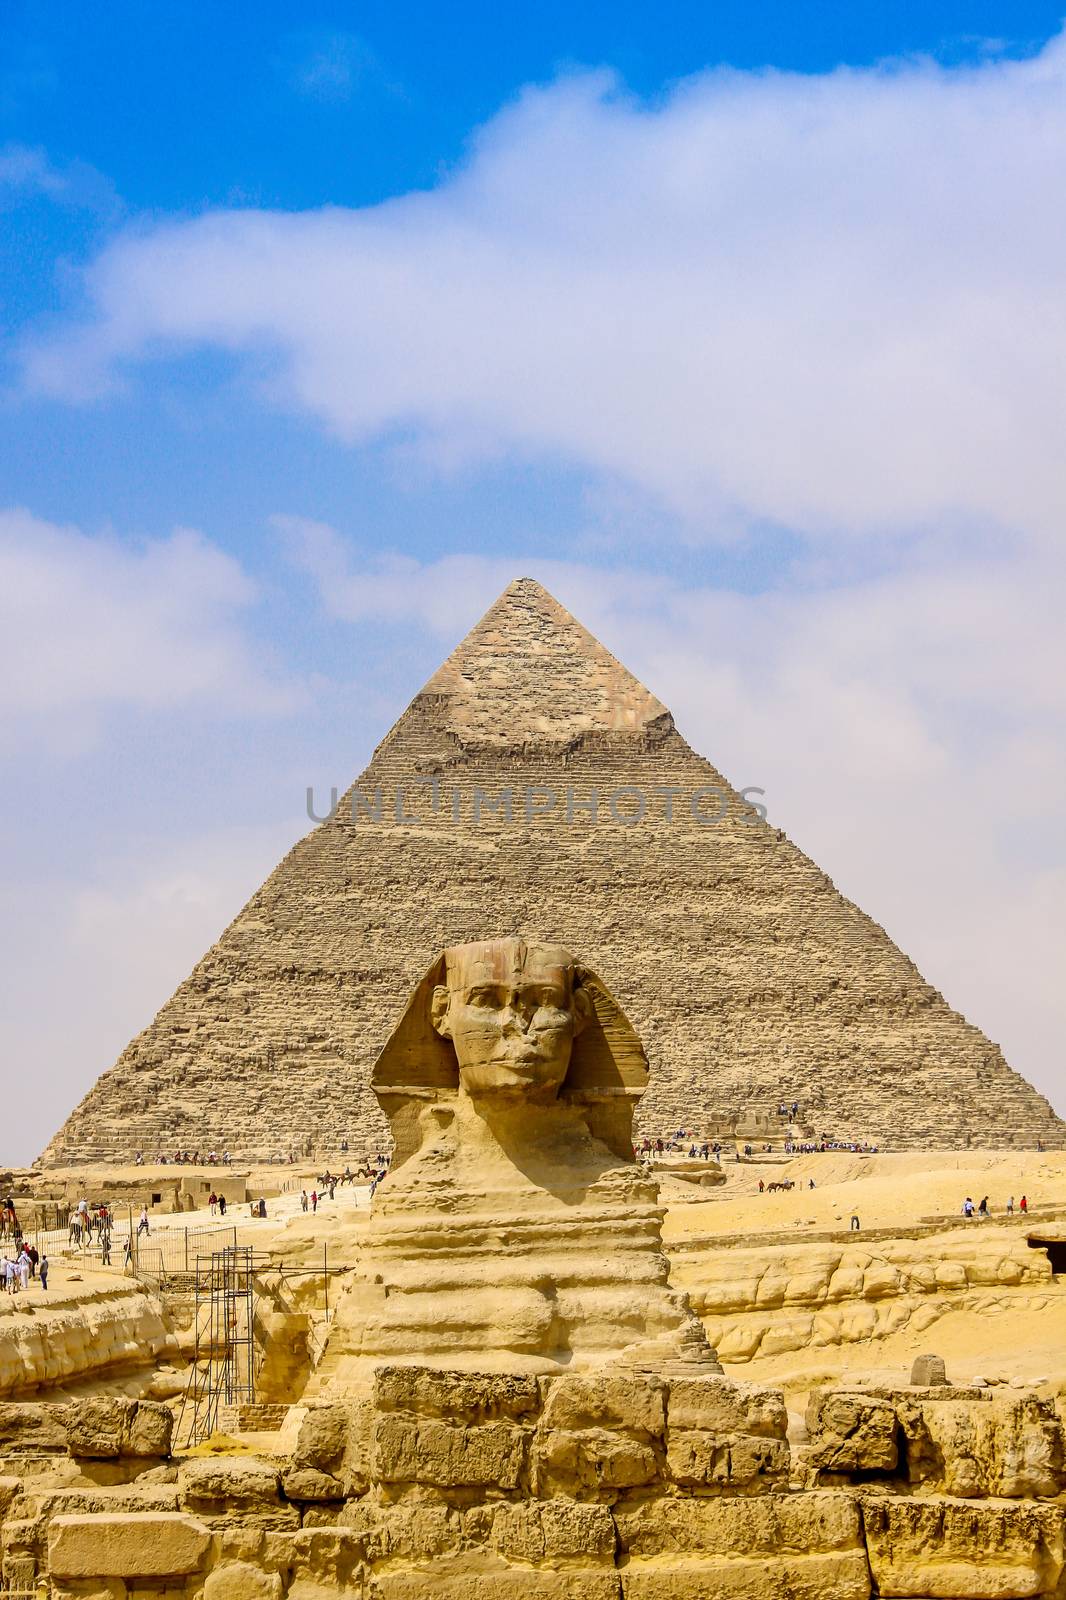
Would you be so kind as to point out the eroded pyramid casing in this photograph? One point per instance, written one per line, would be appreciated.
(502, 803)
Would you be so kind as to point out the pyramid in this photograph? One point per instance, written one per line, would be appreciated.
(535, 787)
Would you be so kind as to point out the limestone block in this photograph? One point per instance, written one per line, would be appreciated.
(308, 1484)
(722, 1406)
(323, 1437)
(458, 1579)
(237, 1580)
(105, 1429)
(804, 1545)
(825, 1520)
(939, 1547)
(239, 1480)
(744, 1464)
(554, 1532)
(95, 1428)
(423, 1450)
(800, 1577)
(149, 1429)
(927, 1370)
(604, 1400)
(31, 1429)
(10, 1489)
(470, 1396)
(418, 1531)
(127, 1545)
(587, 1463)
(1011, 1446)
(328, 1562)
(851, 1432)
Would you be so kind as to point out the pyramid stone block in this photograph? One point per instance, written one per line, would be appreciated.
(535, 787)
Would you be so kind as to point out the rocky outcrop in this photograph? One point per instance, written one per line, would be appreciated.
(762, 1300)
(78, 1332)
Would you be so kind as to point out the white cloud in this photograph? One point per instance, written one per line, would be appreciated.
(89, 623)
(909, 732)
(829, 302)
(27, 168)
(90, 957)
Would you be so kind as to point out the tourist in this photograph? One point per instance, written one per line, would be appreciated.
(854, 1225)
(303, 1199)
(222, 1205)
(213, 1202)
(762, 1186)
(1010, 1206)
(105, 1247)
(314, 1200)
(44, 1272)
(982, 1209)
(31, 1251)
(967, 1207)
(142, 1226)
(1023, 1204)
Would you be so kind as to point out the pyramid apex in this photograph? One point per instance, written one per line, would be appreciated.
(530, 673)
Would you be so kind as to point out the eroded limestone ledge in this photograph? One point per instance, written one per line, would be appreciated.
(85, 1331)
(608, 1486)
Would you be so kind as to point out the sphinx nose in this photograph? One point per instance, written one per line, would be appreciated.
(516, 1020)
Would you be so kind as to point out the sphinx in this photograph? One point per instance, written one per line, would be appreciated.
(515, 1230)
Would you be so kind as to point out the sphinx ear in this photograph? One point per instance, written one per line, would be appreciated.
(438, 1011)
(582, 1009)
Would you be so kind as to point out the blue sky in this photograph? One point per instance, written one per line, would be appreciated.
(739, 325)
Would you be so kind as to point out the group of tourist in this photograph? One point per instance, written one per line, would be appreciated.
(187, 1158)
(674, 1144)
(24, 1264)
(217, 1204)
(982, 1209)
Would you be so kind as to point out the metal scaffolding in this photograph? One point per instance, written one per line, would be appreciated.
(224, 1355)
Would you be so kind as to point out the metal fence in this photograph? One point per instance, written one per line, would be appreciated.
(157, 1256)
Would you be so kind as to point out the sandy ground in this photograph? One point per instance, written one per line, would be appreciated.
(882, 1190)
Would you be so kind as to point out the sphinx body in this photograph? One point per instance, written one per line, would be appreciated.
(515, 1231)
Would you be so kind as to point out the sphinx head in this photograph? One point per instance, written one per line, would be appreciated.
(511, 1011)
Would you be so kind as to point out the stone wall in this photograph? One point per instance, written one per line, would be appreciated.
(750, 979)
(624, 1486)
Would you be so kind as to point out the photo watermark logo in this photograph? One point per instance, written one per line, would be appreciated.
(420, 799)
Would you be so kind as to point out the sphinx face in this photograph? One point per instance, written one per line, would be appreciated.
(511, 1012)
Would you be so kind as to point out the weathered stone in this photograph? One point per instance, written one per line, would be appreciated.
(554, 1531)
(606, 1400)
(962, 1550)
(926, 1370)
(407, 1450)
(31, 1428)
(323, 1437)
(590, 1463)
(231, 1480)
(1012, 1446)
(472, 1397)
(722, 1406)
(744, 1464)
(96, 1428)
(237, 1580)
(127, 1545)
(307, 1483)
(851, 1432)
